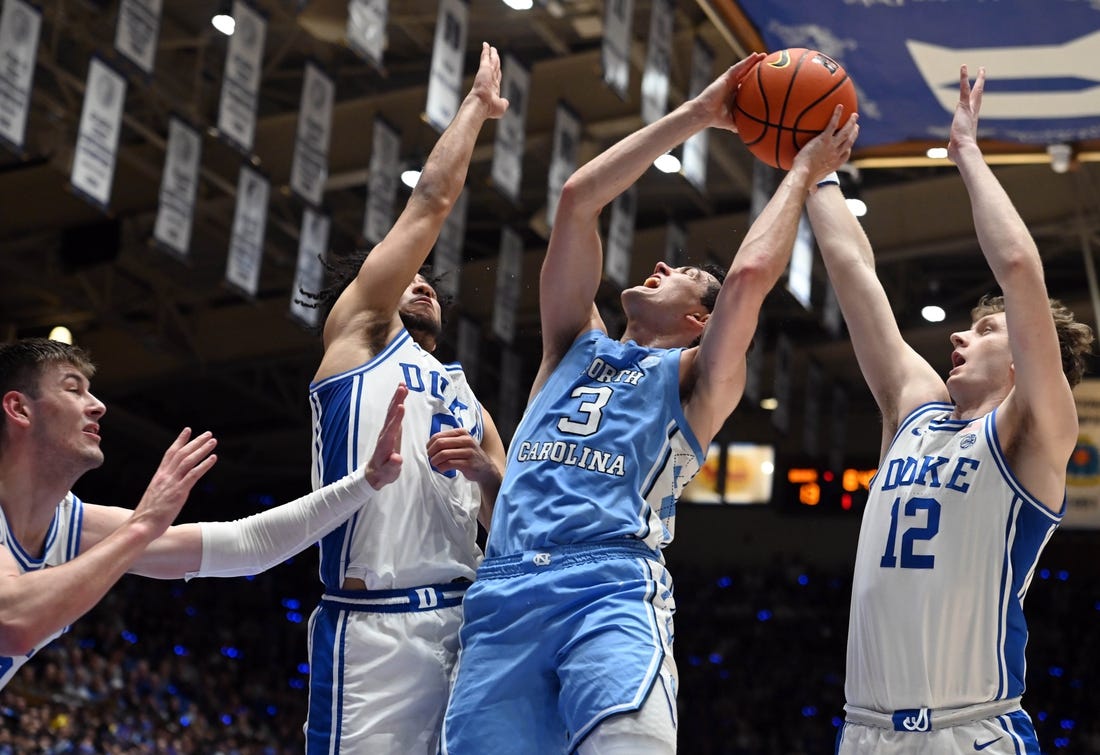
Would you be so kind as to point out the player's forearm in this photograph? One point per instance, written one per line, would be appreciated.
(767, 246)
(445, 170)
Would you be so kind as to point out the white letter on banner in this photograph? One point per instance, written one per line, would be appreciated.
(695, 148)
(309, 169)
(246, 243)
(309, 275)
(20, 24)
(507, 167)
(241, 80)
(137, 31)
(97, 138)
(509, 275)
(382, 177)
(178, 185)
(448, 53)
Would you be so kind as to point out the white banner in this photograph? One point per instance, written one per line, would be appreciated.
(448, 53)
(801, 267)
(509, 280)
(246, 243)
(241, 79)
(382, 177)
(620, 237)
(447, 258)
(178, 185)
(695, 148)
(137, 31)
(309, 169)
(1083, 471)
(839, 428)
(512, 396)
(507, 168)
(563, 161)
(366, 30)
(618, 20)
(469, 343)
(97, 138)
(811, 411)
(784, 357)
(675, 244)
(658, 57)
(309, 275)
(20, 24)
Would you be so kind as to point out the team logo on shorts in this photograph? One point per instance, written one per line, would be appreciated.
(541, 559)
(916, 719)
(968, 440)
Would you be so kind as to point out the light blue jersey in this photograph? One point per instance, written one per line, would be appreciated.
(602, 452)
(62, 544)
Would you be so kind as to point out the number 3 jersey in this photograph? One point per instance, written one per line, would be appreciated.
(422, 528)
(601, 453)
(947, 549)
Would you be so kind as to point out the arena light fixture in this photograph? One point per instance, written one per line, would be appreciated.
(224, 23)
(933, 313)
(62, 334)
(519, 4)
(667, 163)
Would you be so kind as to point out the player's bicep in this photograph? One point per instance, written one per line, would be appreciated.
(569, 281)
(99, 522)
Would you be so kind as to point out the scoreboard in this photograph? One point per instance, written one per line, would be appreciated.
(813, 489)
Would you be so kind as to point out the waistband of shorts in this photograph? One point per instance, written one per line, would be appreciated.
(406, 600)
(562, 556)
(929, 719)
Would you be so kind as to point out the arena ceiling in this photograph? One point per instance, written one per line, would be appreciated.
(176, 346)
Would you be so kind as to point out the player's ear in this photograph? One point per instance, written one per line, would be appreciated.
(16, 407)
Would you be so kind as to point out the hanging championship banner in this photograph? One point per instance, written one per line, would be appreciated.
(137, 31)
(382, 177)
(246, 242)
(784, 357)
(178, 185)
(469, 339)
(811, 411)
(695, 148)
(97, 137)
(838, 427)
(754, 366)
(507, 168)
(309, 275)
(675, 244)
(658, 57)
(563, 161)
(620, 237)
(800, 268)
(447, 257)
(20, 24)
(618, 19)
(241, 79)
(309, 169)
(512, 397)
(509, 270)
(448, 53)
(366, 30)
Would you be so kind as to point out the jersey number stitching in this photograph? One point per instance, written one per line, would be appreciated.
(912, 534)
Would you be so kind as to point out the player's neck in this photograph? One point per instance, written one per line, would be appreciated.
(29, 499)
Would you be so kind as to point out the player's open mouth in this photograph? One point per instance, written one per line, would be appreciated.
(652, 281)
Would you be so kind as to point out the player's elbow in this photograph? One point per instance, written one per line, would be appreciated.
(17, 636)
(577, 196)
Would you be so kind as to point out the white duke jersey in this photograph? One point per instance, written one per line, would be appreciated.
(602, 452)
(947, 549)
(62, 544)
(422, 528)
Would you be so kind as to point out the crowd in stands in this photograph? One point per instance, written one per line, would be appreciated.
(218, 666)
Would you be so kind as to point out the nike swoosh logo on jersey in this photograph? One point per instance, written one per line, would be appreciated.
(983, 745)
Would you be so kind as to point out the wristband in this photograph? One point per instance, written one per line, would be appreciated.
(832, 178)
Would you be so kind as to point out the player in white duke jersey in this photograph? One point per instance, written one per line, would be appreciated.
(383, 641)
(60, 555)
(567, 640)
(970, 486)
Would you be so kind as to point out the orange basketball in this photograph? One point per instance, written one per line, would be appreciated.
(787, 99)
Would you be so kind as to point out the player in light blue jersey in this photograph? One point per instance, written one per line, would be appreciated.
(970, 486)
(384, 639)
(567, 641)
(60, 555)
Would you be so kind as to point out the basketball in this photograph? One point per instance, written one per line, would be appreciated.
(787, 99)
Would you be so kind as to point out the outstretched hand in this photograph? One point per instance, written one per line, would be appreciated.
(385, 462)
(185, 461)
(964, 127)
(487, 82)
(830, 149)
(719, 96)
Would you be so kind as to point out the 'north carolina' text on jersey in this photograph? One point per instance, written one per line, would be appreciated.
(422, 528)
(606, 427)
(948, 546)
(62, 544)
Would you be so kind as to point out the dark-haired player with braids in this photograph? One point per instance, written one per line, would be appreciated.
(384, 639)
(971, 485)
(567, 644)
